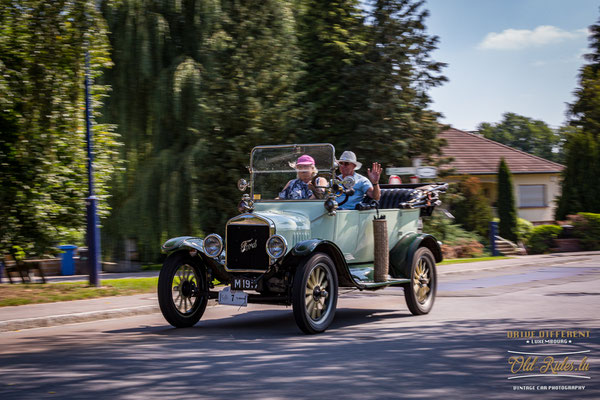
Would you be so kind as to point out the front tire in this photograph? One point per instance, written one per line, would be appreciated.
(420, 292)
(182, 289)
(314, 293)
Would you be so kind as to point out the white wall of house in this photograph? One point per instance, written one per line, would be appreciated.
(535, 194)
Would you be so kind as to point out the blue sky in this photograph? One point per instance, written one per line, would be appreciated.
(520, 56)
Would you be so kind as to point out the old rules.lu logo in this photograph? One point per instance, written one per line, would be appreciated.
(248, 245)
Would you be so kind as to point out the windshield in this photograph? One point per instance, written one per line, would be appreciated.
(298, 167)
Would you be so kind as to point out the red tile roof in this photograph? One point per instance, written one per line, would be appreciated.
(476, 155)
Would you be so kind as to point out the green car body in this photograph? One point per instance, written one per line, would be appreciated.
(299, 232)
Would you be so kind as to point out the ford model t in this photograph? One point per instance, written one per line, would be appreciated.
(300, 252)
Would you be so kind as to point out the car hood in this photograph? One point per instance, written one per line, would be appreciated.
(293, 226)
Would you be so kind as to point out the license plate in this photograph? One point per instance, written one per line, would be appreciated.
(243, 284)
(233, 297)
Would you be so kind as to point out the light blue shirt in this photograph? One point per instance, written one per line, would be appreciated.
(361, 186)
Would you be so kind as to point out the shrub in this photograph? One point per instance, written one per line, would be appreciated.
(456, 242)
(17, 253)
(443, 229)
(586, 227)
(541, 238)
(524, 229)
(472, 211)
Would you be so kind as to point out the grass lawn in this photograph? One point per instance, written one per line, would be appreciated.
(468, 260)
(19, 294)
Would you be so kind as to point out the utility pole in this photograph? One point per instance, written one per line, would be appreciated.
(93, 232)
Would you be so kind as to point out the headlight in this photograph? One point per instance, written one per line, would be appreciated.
(213, 245)
(276, 246)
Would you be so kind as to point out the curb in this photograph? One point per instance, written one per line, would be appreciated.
(64, 319)
(528, 263)
(53, 320)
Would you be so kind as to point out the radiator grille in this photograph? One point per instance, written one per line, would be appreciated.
(246, 247)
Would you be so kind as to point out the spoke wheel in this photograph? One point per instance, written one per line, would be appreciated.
(185, 289)
(314, 294)
(182, 293)
(420, 292)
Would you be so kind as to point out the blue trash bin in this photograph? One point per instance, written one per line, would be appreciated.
(67, 263)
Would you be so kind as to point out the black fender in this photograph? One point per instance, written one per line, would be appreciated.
(308, 247)
(180, 242)
(401, 256)
(191, 243)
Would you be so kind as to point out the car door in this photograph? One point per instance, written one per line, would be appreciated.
(345, 234)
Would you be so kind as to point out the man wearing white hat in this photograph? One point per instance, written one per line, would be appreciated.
(348, 165)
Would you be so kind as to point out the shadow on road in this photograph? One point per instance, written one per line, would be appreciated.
(261, 354)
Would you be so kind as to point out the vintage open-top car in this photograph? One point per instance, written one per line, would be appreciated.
(300, 252)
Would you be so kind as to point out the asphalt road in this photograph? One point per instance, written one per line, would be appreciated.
(375, 348)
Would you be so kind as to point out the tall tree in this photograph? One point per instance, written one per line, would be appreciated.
(197, 84)
(581, 182)
(526, 134)
(42, 141)
(507, 212)
(332, 45)
(397, 76)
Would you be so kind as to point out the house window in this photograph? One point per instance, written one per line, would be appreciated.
(532, 195)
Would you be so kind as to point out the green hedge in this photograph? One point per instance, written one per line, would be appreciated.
(524, 229)
(541, 238)
(586, 227)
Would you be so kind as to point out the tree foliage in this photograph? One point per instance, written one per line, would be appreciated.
(526, 134)
(331, 39)
(473, 210)
(581, 182)
(580, 188)
(397, 75)
(42, 141)
(196, 85)
(507, 212)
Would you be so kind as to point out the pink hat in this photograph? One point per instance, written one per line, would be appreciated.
(305, 160)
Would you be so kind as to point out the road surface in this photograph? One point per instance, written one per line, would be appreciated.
(375, 348)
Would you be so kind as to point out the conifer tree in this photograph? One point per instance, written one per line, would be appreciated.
(396, 122)
(581, 177)
(506, 203)
(331, 41)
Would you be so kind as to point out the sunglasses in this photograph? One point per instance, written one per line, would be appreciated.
(344, 163)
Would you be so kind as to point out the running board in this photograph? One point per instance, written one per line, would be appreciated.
(380, 285)
(362, 274)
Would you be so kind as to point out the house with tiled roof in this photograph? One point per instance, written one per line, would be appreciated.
(536, 181)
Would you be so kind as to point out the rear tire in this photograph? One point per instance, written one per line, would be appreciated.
(182, 289)
(314, 293)
(420, 292)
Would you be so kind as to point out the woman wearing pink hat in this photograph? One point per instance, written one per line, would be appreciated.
(305, 186)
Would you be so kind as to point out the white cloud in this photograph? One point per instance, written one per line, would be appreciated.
(516, 39)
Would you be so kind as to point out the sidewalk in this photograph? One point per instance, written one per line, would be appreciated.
(67, 312)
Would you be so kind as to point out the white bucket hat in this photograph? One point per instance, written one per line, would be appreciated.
(349, 156)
